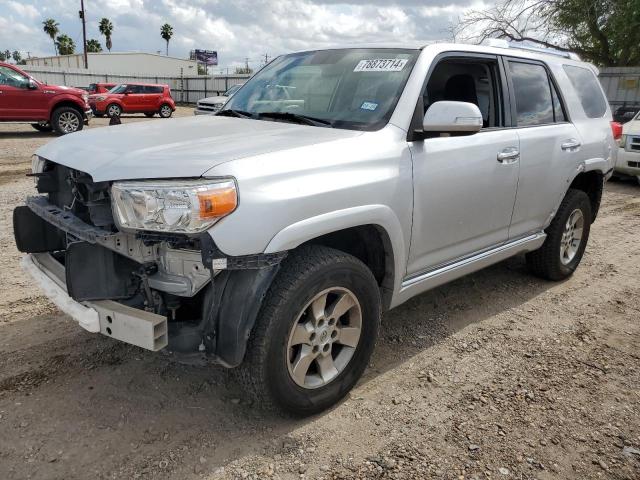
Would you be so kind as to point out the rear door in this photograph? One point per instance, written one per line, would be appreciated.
(549, 144)
(153, 96)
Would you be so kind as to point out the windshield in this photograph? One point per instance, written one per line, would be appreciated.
(232, 90)
(118, 89)
(348, 88)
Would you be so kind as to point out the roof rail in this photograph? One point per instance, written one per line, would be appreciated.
(501, 43)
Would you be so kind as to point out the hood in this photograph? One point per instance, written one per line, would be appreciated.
(631, 128)
(218, 99)
(63, 89)
(178, 148)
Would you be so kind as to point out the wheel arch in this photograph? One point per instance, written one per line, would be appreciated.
(590, 182)
(65, 102)
(371, 233)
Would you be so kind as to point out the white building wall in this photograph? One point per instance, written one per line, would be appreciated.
(128, 63)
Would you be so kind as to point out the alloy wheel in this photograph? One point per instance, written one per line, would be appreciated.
(324, 338)
(571, 237)
(68, 122)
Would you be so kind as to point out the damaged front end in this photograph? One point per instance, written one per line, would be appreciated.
(154, 289)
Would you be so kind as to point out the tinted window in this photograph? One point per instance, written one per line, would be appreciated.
(135, 89)
(10, 77)
(533, 94)
(151, 89)
(588, 90)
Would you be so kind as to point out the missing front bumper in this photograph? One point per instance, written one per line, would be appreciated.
(131, 325)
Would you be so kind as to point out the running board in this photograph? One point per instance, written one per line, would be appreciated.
(427, 280)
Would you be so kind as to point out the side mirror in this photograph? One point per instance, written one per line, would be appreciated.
(454, 118)
(32, 84)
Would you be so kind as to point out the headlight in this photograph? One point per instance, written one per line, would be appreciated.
(172, 206)
(85, 98)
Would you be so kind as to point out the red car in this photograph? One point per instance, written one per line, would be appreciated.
(100, 87)
(23, 99)
(134, 98)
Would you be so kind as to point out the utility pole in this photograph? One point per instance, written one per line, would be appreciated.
(246, 64)
(84, 33)
(266, 58)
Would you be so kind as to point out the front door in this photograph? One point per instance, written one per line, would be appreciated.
(133, 99)
(465, 186)
(18, 101)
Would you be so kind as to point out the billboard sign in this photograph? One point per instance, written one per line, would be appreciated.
(208, 57)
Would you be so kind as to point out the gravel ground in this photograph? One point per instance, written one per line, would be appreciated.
(497, 375)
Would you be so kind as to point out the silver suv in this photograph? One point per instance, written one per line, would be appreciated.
(335, 185)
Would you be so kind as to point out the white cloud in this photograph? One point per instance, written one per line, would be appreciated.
(238, 29)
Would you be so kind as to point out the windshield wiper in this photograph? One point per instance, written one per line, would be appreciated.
(230, 112)
(296, 117)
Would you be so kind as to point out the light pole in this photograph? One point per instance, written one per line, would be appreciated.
(84, 33)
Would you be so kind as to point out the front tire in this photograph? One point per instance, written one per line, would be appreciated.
(567, 238)
(315, 333)
(67, 120)
(113, 110)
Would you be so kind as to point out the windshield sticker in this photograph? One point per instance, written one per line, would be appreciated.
(368, 106)
(381, 65)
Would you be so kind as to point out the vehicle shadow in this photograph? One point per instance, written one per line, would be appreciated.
(32, 133)
(143, 405)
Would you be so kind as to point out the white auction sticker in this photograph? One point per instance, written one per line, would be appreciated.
(381, 65)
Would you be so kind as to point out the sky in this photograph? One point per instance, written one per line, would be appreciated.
(237, 29)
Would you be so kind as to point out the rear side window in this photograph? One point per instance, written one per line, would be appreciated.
(588, 90)
(532, 89)
(151, 89)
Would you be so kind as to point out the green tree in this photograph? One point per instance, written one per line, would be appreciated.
(605, 32)
(106, 28)
(65, 44)
(243, 70)
(93, 46)
(17, 57)
(166, 32)
(51, 28)
(7, 55)
(3, 57)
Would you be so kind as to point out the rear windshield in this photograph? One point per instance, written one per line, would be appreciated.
(588, 89)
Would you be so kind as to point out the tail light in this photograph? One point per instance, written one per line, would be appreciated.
(616, 129)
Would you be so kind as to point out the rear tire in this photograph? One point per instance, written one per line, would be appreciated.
(66, 120)
(113, 110)
(567, 238)
(303, 356)
(165, 110)
(42, 128)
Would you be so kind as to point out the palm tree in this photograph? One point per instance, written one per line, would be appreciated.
(93, 46)
(66, 45)
(50, 27)
(106, 28)
(166, 32)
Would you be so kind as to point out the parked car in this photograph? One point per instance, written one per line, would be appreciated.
(335, 185)
(134, 98)
(46, 107)
(628, 162)
(100, 87)
(210, 105)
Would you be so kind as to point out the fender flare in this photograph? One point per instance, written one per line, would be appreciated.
(381, 216)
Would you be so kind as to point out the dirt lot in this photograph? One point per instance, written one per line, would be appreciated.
(497, 375)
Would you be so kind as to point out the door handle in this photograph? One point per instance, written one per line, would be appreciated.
(570, 145)
(509, 155)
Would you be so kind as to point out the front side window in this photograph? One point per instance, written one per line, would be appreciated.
(588, 89)
(468, 80)
(119, 89)
(346, 88)
(532, 89)
(11, 78)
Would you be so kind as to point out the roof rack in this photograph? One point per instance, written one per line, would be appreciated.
(501, 43)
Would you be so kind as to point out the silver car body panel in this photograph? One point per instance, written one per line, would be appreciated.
(445, 203)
